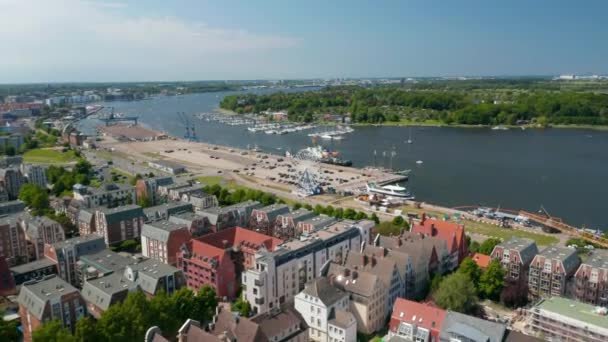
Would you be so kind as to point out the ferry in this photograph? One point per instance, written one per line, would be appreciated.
(389, 190)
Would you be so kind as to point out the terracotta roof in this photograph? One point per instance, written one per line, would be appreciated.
(419, 314)
(482, 260)
(237, 235)
(452, 233)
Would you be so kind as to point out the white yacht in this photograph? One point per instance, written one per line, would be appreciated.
(389, 190)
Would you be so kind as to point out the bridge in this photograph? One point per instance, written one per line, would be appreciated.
(550, 222)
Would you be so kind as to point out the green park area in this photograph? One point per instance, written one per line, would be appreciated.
(49, 156)
(506, 233)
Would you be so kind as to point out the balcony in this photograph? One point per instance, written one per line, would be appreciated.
(258, 282)
(259, 301)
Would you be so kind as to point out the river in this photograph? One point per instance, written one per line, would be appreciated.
(564, 170)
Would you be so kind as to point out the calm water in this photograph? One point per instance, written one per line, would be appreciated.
(563, 170)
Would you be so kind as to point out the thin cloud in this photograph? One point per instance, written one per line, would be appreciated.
(75, 36)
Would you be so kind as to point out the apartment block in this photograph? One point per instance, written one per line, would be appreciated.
(285, 225)
(13, 244)
(232, 216)
(561, 319)
(11, 207)
(67, 253)
(164, 211)
(279, 275)
(148, 188)
(263, 219)
(11, 179)
(35, 174)
(49, 299)
(591, 279)
(102, 263)
(120, 223)
(368, 296)
(550, 270)
(314, 224)
(35, 270)
(86, 221)
(193, 222)
(324, 307)
(41, 230)
(109, 195)
(7, 282)
(515, 255)
(162, 241)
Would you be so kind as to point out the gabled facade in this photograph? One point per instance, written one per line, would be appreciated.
(515, 256)
(591, 279)
(452, 233)
(285, 224)
(550, 270)
(66, 254)
(162, 241)
(263, 219)
(41, 230)
(218, 219)
(413, 321)
(12, 240)
(119, 224)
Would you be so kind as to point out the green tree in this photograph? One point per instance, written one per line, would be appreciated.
(398, 220)
(86, 331)
(8, 330)
(35, 197)
(457, 293)
(127, 321)
(206, 303)
(350, 214)
(297, 206)
(242, 306)
(470, 268)
(488, 245)
(491, 282)
(52, 331)
(161, 306)
(474, 247)
(144, 202)
(375, 218)
(435, 282)
(388, 229)
(184, 305)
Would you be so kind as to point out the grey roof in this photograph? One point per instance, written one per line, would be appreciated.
(109, 187)
(184, 218)
(167, 209)
(319, 222)
(107, 290)
(274, 210)
(363, 283)
(322, 289)
(148, 273)
(122, 213)
(35, 295)
(475, 329)
(94, 242)
(273, 324)
(106, 261)
(599, 259)
(85, 215)
(300, 215)
(163, 180)
(32, 266)
(160, 230)
(381, 267)
(526, 247)
(342, 319)
(35, 223)
(567, 256)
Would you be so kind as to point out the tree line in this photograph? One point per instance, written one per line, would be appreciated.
(381, 104)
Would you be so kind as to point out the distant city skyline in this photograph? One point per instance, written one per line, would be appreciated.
(188, 40)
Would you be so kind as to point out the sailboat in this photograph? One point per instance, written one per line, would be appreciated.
(409, 140)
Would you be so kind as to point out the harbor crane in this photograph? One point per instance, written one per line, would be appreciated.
(188, 124)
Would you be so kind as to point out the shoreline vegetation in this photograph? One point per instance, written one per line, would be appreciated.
(448, 106)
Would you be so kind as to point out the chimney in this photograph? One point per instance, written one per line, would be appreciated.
(225, 244)
(422, 218)
(364, 259)
(373, 260)
(346, 272)
(355, 274)
(399, 241)
(433, 230)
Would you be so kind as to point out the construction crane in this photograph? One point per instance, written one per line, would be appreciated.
(190, 133)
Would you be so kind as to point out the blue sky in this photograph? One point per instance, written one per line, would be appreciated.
(121, 40)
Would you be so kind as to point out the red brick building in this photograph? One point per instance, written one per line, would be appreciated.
(592, 279)
(515, 256)
(162, 240)
(218, 259)
(7, 282)
(49, 299)
(452, 233)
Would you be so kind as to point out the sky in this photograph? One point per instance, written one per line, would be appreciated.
(160, 40)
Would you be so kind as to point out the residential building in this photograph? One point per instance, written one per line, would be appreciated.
(148, 188)
(165, 189)
(41, 230)
(100, 293)
(592, 279)
(102, 263)
(218, 259)
(342, 327)
(7, 282)
(319, 303)
(184, 193)
(15, 140)
(67, 253)
(162, 240)
(195, 223)
(200, 200)
(404, 264)
(452, 233)
(561, 319)
(86, 221)
(11, 179)
(285, 225)
(550, 270)
(13, 244)
(384, 268)
(461, 327)
(482, 260)
(232, 216)
(109, 195)
(35, 174)
(167, 166)
(515, 255)
(10, 161)
(367, 293)
(163, 211)
(120, 223)
(416, 322)
(281, 274)
(11, 207)
(263, 219)
(283, 324)
(49, 299)
(152, 277)
(314, 224)
(35, 270)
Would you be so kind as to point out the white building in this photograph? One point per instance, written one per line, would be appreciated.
(111, 195)
(324, 307)
(279, 275)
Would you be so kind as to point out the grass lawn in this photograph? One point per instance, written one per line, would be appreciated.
(506, 233)
(211, 180)
(49, 156)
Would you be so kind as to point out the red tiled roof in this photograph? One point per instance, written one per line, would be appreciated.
(237, 236)
(482, 260)
(419, 314)
(452, 233)
(199, 248)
